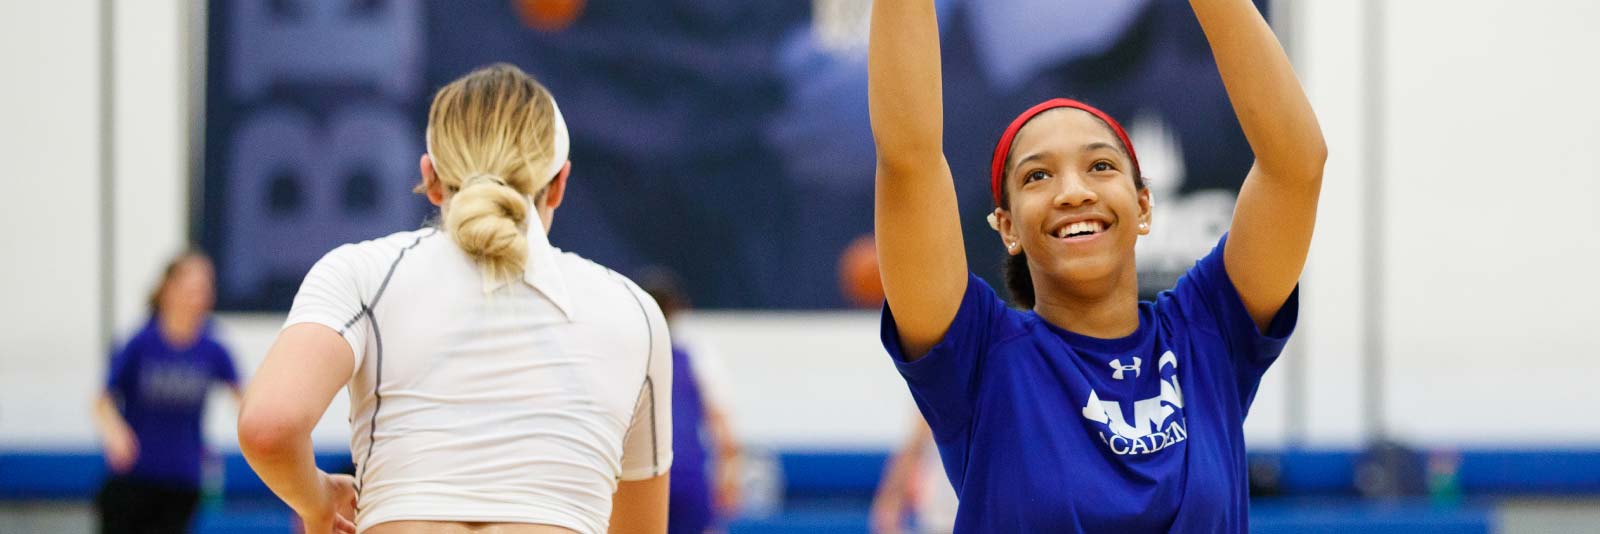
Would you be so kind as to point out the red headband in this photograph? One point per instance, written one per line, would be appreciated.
(997, 167)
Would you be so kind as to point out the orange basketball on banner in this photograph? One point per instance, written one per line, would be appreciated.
(548, 15)
(858, 273)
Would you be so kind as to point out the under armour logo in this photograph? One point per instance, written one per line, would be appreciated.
(1117, 365)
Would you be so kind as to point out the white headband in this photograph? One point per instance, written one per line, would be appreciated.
(560, 150)
(561, 146)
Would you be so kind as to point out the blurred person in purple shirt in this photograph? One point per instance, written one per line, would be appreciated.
(149, 415)
(705, 491)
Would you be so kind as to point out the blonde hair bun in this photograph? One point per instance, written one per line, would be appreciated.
(493, 136)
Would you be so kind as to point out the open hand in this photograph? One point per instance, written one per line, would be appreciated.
(338, 513)
(122, 450)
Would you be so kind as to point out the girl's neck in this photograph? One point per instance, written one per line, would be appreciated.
(179, 330)
(1106, 309)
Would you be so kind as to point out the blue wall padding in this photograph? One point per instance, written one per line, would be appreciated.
(1299, 516)
(1524, 472)
(827, 491)
(239, 481)
(831, 473)
(28, 475)
(261, 518)
(803, 523)
(1480, 471)
(77, 475)
(56, 474)
(1327, 516)
(1315, 472)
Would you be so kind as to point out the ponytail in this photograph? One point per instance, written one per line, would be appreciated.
(488, 220)
(1019, 280)
(497, 139)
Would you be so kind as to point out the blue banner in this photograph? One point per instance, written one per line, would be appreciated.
(720, 138)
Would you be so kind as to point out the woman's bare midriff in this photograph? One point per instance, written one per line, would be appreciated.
(452, 527)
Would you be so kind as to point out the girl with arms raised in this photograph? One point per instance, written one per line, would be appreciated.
(1088, 410)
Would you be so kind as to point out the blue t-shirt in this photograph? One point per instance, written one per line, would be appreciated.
(689, 502)
(163, 391)
(1044, 430)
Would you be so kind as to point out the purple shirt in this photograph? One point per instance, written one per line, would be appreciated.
(163, 397)
(689, 505)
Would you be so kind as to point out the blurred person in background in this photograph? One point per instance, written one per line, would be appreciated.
(496, 383)
(913, 486)
(706, 455)
(1027, 406)
(149, 415)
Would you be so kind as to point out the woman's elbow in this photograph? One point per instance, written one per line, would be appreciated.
(1317, 154)
(1301, 163)
(263, 433)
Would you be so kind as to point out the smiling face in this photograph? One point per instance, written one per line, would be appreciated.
(1071, 200)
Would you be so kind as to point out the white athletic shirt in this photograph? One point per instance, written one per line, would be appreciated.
(521, 403)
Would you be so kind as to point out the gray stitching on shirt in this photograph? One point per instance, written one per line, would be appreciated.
(649, 386)
(377, 339)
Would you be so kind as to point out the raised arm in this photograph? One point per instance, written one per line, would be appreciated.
(920, 252)
(1277, 205)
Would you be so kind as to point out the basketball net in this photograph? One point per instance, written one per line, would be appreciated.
(842, 25)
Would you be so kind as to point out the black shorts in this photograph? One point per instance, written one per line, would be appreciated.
(130, 506)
